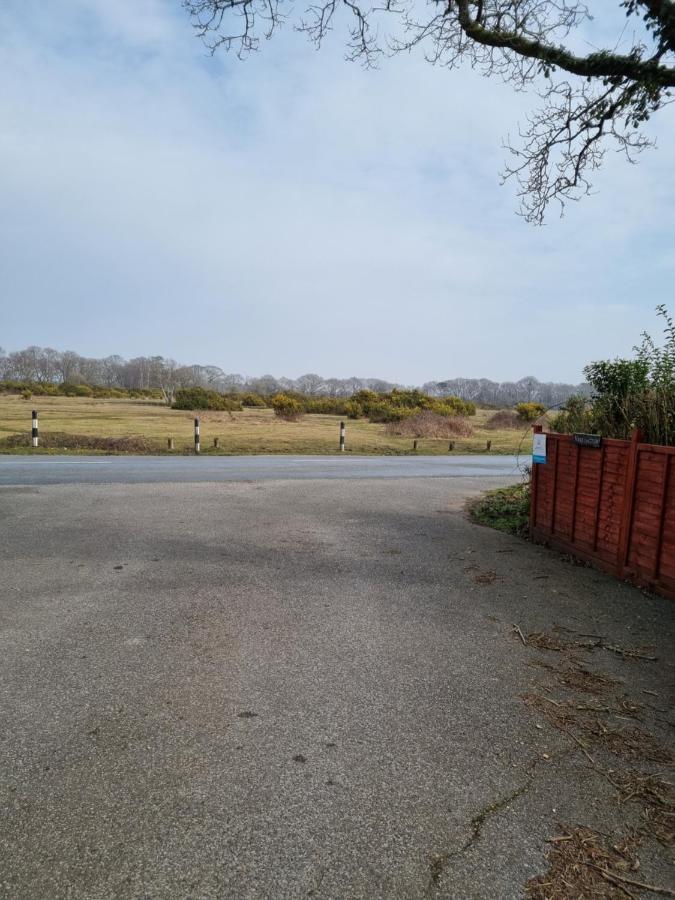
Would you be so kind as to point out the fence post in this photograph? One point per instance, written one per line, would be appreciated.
(628, 501)
(34, 432)
(534, 481)
(342, 436)
(197, 446)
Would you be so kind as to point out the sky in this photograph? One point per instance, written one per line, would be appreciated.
(296, 213)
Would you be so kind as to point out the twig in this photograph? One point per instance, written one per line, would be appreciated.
(516, 628)
(624, 652)
(667, 892)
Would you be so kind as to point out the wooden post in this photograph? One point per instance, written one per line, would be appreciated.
(628, 502)
(489, 445)
(215, 442)
(415, 445)
(169, 443)
(451, 446)
(534, 482)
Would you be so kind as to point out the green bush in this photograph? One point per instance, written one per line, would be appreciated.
(506, 509)
(529, 412)
(26, 395)
(453, 406)
(353, 410)
(629, 393)
(201, 398)
(253, 400)
(76, 390)
(286, 407)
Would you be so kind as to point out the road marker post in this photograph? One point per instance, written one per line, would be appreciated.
(215, 443)
(451, 446)
(414, 445)
(197, 444)
(169, 443)
(34, 432)
(488, 446)
(342, 437)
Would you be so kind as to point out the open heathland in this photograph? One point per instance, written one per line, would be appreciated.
(150, 423)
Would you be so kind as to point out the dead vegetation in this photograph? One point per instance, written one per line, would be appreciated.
(428, 424)
(594, 712)
(507, 419)
(584, 863)
(61, 440)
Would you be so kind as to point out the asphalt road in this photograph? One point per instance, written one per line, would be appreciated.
(285, 689)
(184, 469)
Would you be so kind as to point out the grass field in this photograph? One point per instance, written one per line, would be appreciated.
(250, 431)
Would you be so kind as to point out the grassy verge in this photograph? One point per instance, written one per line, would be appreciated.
(148, 424)
(506, 509)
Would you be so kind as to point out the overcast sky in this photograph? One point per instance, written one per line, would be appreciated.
(295, 213)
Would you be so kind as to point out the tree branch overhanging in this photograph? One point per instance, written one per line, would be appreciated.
(590, 102)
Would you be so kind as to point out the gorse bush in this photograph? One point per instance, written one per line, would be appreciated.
(253, 400)
(78, 389)
(529, 412)
(286, 407)
(201, 398)
(398, 404)
(629, 393)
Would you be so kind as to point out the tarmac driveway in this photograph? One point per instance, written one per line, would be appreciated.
(311, 688)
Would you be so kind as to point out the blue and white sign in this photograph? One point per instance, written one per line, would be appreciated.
(539, 448)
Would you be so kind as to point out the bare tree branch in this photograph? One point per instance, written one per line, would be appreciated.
(603, 99)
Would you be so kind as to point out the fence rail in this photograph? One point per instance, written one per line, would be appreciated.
(613, 506)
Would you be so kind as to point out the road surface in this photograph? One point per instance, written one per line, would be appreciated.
(274, 688)
(156, 469)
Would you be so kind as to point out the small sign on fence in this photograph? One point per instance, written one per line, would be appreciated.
(538, 448)
(588, 440)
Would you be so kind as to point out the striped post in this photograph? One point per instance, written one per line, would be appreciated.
(35, 435)
(342, 436)
(197, 447)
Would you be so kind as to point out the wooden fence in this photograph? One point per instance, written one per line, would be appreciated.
(613, 506)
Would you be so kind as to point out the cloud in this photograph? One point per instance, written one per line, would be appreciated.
(295, 213)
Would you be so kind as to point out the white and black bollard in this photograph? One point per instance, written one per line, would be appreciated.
(197, 447)
(342, 436)
(35, 435)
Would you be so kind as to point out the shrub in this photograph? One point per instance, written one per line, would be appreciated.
(529, 412)
(76, 390)
(506, 509)
(575, 415)
(453, 406)
(505, 418)
(200, 398)
(385, 412)
(286, 407)
(327, 406)
(26, 395)
(430, 424)
(253, 400)
(353, 410)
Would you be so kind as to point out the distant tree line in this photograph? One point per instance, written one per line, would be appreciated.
(44, 365)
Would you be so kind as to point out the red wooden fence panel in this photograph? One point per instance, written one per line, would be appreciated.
(613, 506)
